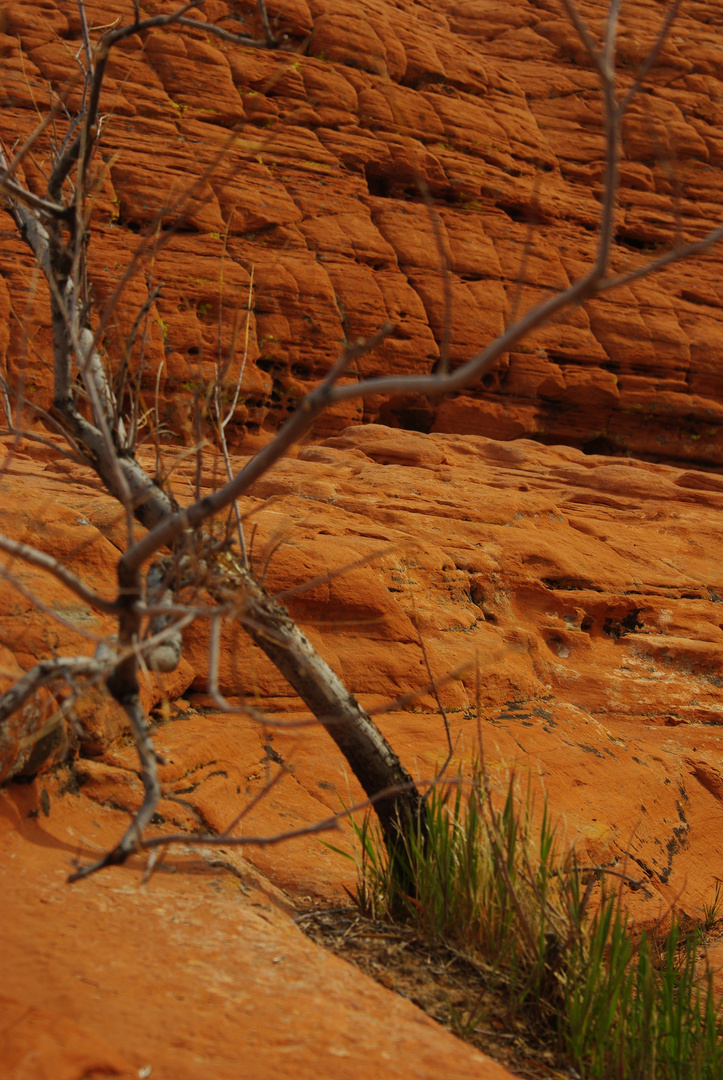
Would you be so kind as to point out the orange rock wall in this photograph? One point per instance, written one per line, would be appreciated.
(307, 163)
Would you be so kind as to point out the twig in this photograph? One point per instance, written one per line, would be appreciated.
(311, 407)
(46, 562)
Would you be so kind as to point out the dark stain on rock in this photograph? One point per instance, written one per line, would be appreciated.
(589, 749)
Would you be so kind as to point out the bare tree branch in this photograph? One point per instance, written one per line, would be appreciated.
(650, 59)
(308, 411)
(52, 566)
(269, 42)
(327, 824)
(41, 206)
(44, 674)
(147, 756)
(664, 260)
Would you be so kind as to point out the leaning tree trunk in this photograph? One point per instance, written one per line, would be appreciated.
(374, 763)
(369, 755)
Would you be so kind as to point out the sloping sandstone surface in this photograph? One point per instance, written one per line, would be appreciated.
(199, 973)
(307, 162)
(574, 601)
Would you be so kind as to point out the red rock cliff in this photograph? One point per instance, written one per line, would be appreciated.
(309, 160)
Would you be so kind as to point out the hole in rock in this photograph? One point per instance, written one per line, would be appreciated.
(516, 213)
(601, 444)
(557, 646)
(267, 363)
(408, 416)
(637, 243)
(629, 624)
(377, 185)
(568, 584)
(415, 420)
(477, 593)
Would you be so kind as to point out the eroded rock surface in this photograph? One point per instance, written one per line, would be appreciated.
(569, 605)
(307, 161)
(574, 598)
(199, 973)
(574, 601)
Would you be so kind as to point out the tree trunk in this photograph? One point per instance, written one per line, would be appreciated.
(374, 763)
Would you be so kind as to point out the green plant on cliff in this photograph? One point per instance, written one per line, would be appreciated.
(160, 573)
(547, 935)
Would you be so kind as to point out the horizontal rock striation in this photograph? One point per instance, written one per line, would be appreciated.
(344, 168)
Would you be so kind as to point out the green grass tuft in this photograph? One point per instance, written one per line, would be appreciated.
(614, 1006)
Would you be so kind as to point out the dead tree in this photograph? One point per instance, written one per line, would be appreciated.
(179, 546)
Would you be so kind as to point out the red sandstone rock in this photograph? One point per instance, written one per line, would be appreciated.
(584, 590)
(200, 972)
(44, 1043)
(315, 151)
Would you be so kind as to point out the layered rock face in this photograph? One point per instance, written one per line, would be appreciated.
(565, 604)
(344, 169)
